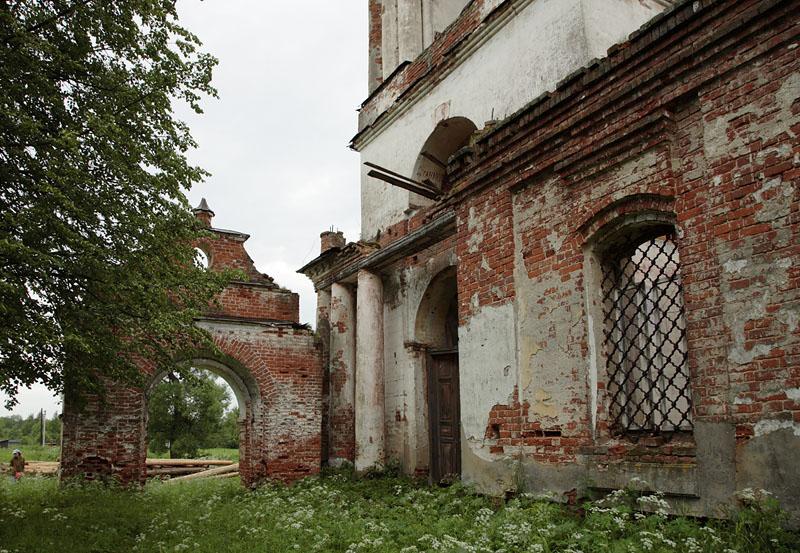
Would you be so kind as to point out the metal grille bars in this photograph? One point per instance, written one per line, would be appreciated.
(645, 333)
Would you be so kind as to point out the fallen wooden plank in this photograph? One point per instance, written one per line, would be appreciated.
(173, 471)
(207, 473)
(226, 475)
(187, 462)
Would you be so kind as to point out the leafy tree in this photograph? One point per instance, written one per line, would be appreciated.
(229, 433)
(96, 257)
(185, 413)
(28, 430)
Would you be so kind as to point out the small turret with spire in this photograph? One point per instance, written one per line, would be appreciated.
(204, 213)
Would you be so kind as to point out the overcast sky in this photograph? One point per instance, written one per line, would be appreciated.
(290, 77)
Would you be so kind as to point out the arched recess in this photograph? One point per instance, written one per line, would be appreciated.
(449, 136)
(248, 397)
(436, 331)
(639, 376)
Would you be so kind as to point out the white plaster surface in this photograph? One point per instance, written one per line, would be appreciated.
(487, 356)
(768, 426)
(370, 392)
(603, 21)
(539, 46)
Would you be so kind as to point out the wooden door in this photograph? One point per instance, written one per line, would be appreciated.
(444, 411)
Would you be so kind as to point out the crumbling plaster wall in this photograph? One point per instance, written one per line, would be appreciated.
(745, 136)
(725, 169)
(405, 285)
(548, 38)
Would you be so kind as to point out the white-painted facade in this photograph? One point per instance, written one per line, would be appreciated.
(511, 62)
(516, 60)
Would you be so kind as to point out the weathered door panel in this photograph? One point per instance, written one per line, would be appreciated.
(444, 413)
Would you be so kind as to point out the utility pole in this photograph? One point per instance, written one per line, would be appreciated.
(44, 423)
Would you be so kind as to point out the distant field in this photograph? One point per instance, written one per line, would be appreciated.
(33, 453)
(52, 453)
(211, 453)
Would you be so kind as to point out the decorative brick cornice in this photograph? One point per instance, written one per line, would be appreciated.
(624, 97)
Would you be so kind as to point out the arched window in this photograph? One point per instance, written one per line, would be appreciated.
(447, 138)
(645, 334)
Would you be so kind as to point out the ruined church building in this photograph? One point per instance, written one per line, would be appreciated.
(579, 260)
(579, 264)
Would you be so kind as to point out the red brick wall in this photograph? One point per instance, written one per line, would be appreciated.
(696, 118)
(226, 250)
(277, 362)
(253, 301)
(485, 249)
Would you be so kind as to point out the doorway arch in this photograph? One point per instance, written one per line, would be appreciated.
(436, 329)
(240, 381)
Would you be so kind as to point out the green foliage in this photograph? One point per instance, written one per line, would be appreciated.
(29, 429)
(187, 412)
(340, 514)
(96, 259)
(228, 454)
(229, 433)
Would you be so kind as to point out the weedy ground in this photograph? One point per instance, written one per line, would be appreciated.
(339, 513)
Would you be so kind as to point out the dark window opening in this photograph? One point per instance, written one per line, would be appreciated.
(645, 338)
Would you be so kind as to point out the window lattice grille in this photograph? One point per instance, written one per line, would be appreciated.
(645, 332)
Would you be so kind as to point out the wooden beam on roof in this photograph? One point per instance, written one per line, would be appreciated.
(401, 183)
(425, 184)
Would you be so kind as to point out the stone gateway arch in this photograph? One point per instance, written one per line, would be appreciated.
(272, 363)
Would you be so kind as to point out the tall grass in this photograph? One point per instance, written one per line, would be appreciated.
(208, 453)
(33, 453)
(339, 514)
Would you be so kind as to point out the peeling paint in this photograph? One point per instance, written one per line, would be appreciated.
(735, 265)
(764, 427)
(542, 404)
(486, 349)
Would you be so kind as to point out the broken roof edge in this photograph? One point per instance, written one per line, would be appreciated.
(372, 257)
(460, 48)
(241, 235)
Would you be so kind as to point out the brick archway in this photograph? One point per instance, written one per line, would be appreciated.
(272, 361)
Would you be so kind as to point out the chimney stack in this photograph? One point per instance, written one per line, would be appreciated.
(331, 239)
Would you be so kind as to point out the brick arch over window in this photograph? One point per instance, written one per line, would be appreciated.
(639, 371)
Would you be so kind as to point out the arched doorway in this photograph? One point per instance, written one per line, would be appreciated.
(436, 327)
(246, 398)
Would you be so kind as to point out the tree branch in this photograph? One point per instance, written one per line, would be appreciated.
(58, 15)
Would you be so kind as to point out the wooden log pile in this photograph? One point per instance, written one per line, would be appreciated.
(225, 471)
(181, 469)
(41, 467)
(174, 469)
